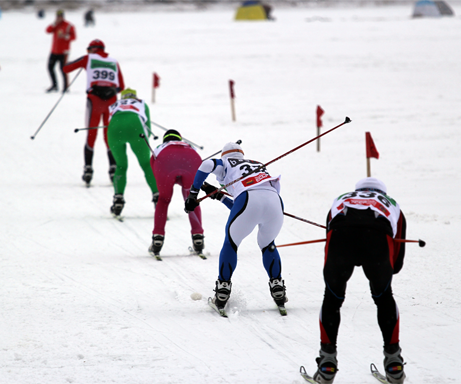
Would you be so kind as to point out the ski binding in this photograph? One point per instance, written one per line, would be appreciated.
(118, 217)
(199, 254)
(282, 310)
(221, 311)
(306, 377)
(378, 375)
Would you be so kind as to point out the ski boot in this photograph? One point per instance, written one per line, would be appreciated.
(156, 246)
(112, 169)
(117, 206)
(278, 293)
(223, 291)
(53, 88)
(87, 174)
(327, 365)
(198, 242)
(393, 364)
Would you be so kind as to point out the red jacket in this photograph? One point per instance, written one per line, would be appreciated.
(63, 34)
(82, 62)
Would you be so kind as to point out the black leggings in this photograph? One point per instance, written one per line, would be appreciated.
(346, 248)
(51, 64)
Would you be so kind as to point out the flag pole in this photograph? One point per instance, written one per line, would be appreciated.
(320, 112)
(232, 97)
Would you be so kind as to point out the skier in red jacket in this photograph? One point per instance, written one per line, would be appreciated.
(104, 81)
(63, 33)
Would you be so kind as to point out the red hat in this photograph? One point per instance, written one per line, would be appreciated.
(96, 44)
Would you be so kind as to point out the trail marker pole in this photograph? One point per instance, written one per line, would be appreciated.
(155, 85)
(320, 112)
(371, 151)
(232, 97)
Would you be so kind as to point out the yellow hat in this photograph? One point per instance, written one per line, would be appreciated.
(128, 94)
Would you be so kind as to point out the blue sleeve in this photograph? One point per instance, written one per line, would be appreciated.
(200, 177)
(207, 167)
(229, 203)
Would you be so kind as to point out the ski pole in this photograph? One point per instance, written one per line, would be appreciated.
(302, 242)
(49, 114)
(87, 129)
(184, 139)
(306, 221)
(214, 154)
(421, 243)
(142, 135)
(347, 120)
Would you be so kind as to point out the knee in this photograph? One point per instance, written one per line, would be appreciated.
(271, 248)
(385, 296)
(332, 300)
(164, 199)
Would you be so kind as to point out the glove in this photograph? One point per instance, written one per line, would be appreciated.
(191, 202)
(208, 188)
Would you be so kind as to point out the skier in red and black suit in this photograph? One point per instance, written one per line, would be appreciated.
(361, 228)
(104, 81)
(63, 33)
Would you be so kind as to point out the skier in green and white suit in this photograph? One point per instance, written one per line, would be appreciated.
(129, 118)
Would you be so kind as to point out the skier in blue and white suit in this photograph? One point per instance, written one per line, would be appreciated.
(256, 203)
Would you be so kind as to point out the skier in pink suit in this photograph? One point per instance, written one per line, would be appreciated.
(174, 162)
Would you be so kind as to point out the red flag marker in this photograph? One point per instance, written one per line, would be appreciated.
(155, 84)
(371, 151)
(232, 97)
(320, 113)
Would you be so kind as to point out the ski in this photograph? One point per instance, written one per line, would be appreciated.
(221, 311)
(378, 375)
(282, 310)
(118, 217)
(157, 256)
(306, 377)
(199, 254)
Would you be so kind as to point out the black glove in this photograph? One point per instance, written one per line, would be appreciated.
(208, 188)
(191, 202)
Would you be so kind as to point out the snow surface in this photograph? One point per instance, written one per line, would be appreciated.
(81, 301)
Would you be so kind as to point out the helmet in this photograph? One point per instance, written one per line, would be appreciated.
(371, 183)
(171, 135)
(60, 12)
(232, 149)
(96, 44)
(128, 94)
